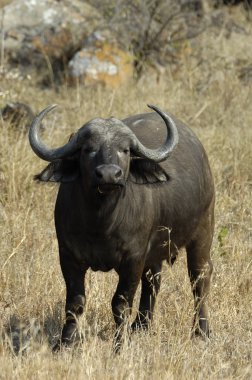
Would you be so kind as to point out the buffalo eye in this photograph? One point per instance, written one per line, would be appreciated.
(92, 154)
(90, 151)
(126, 151)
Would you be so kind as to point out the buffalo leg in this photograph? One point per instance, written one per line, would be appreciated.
(74, 275)
(129, 279)
(151, 280)
(200, 269)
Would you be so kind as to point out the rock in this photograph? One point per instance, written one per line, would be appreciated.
(101, 61)
(3, 214)
(247, 3)
(19, 115)
(191, 6)
(24, 336)
(45, 33)
(245, 75)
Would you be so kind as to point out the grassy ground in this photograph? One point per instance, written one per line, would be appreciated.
(207, 94)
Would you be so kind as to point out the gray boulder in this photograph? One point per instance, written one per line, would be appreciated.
(101, 60)
(45, 33)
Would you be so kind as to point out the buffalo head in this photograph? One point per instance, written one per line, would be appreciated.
(102, 151)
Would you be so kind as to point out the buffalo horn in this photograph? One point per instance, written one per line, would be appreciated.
(51, 154)
(160, 154)
(41, 150)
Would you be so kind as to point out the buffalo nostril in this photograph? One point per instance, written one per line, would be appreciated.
(98, 173)
(118, 173)
(108, 173)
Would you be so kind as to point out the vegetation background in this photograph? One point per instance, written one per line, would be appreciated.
(210, 88)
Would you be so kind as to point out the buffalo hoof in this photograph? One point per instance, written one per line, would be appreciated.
(70, 338)
(201, 330)
(57, 347)
(138, 325)
(117, 346)
(122, 336)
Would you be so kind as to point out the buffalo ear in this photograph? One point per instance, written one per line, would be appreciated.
(146, 172)
(63, 170)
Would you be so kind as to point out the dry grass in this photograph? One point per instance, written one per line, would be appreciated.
(213, 101)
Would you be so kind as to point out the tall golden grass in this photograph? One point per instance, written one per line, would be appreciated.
(208, 95)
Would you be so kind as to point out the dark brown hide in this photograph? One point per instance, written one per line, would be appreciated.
(115, 211)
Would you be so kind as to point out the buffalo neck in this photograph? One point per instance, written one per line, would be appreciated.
(106, 211)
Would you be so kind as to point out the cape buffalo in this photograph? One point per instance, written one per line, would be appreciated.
(125, 184)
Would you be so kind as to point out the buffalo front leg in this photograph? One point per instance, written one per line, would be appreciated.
(129, 278)
(74, 274)
(200, 269)
(151, 281)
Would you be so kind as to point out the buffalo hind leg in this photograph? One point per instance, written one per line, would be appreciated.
(151, 280)
(200, 269)
(74, 275)
(129, 278)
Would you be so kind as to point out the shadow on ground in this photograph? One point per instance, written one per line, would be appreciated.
(22, 335)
